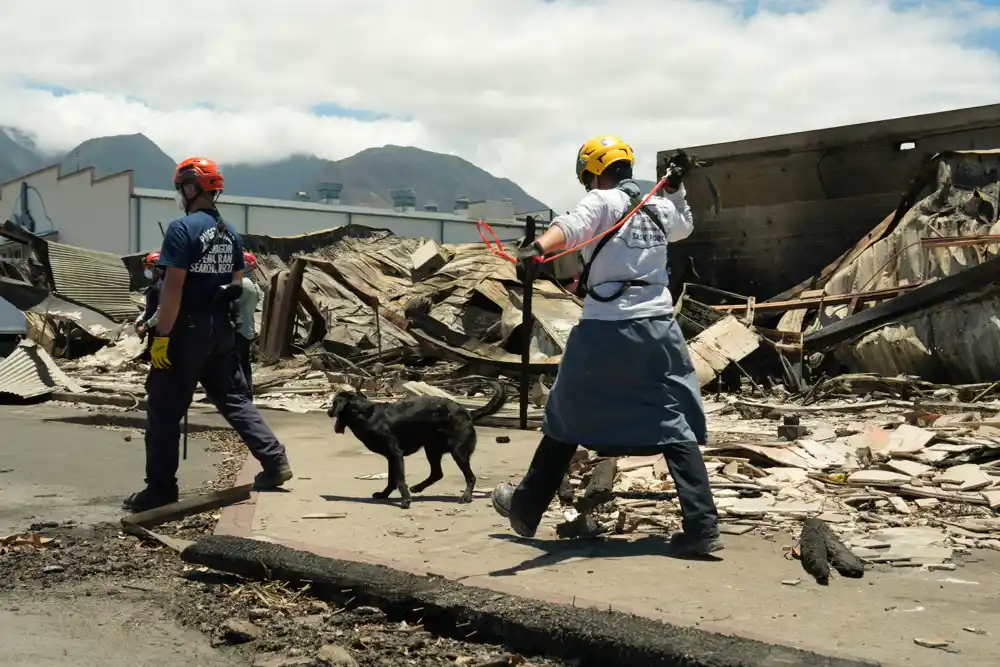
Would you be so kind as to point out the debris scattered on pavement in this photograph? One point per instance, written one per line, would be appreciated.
(935, 642)
(897, 483)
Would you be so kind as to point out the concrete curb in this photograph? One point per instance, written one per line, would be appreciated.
(601, 638)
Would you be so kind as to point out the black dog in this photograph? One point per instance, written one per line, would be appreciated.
(396, 430)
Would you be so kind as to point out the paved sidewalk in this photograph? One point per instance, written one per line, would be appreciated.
(876, 618)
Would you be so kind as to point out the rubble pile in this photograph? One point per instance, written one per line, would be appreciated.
(894, 319)
(900, 484)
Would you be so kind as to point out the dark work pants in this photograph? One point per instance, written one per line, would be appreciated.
(684, 461)
(202, 349)
(243, 353)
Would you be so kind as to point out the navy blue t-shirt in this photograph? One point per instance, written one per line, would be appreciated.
(184, 247)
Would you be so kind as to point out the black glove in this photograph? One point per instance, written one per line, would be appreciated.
(678, 164)
(529, 252)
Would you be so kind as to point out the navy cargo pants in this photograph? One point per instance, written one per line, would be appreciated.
(202, 349)
(244, 354)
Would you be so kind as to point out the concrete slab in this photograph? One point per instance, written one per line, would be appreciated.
(58, 472)
(876, 618)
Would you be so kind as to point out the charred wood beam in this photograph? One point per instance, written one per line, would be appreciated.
(928, 295)
(819, 301)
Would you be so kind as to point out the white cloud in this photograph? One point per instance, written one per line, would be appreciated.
(514, 86)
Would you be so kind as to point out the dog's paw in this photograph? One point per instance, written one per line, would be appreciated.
(465, 498)
(404, 503)
(381, 495)
(417, 488)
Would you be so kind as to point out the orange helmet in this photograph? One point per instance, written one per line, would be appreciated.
(151, 259)
(250, 259)
(202, 172)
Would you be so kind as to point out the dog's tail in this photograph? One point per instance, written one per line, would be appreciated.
(494, 404)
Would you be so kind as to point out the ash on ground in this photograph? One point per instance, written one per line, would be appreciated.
(267, 623)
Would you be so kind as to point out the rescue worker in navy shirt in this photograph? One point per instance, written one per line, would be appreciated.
(194, 337)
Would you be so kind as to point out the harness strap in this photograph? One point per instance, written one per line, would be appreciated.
(582, 289)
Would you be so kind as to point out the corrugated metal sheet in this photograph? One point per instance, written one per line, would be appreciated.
(96, 279)
(29, 371)
(958, 341)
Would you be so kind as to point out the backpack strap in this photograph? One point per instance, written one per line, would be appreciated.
(220, 233)
(582, 289)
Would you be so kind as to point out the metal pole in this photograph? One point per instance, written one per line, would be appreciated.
(185, 435)
(527, 321)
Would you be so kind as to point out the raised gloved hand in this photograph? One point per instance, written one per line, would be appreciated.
(158, 352)
(530, 252)
(677, 166)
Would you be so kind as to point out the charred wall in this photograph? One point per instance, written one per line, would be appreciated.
(793, 203)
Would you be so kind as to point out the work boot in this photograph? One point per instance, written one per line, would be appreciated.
(271, 477)
(503, 498)
(150, 498)
(683, 545)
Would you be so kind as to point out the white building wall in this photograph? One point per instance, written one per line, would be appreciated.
(150, 213)
(104, 214)
(272, 221)
(466, 232)
(290, 218)
(84, 211)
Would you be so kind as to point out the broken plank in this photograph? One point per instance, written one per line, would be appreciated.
(953, 497)
(992, 499)
(806, 409)
(816, 301)
(721, 344)
(175, 543)
(205, 502)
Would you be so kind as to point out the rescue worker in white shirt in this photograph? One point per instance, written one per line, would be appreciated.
(626, 384)
(246, 306)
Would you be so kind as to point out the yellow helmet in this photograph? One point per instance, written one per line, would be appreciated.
(599, 153)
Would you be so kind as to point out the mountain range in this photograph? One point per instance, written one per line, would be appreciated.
(367, 177)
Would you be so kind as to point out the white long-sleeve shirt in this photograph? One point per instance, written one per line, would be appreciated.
(636, 251)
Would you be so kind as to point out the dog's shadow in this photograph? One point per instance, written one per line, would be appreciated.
(557, 551)
(392, 501)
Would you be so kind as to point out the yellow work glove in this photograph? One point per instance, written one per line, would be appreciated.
(158, 352)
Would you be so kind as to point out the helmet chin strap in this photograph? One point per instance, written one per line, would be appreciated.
(185, 204)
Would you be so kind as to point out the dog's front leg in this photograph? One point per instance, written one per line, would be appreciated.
(390, 485)
(397, 473)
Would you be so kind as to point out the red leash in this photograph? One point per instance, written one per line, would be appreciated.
(497, 248)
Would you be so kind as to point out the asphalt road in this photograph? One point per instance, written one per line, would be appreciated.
(55, 472)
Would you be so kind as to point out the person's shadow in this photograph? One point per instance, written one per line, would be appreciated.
(557, 551)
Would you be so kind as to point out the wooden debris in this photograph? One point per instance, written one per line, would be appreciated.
(932, 642)
(813, 554)
(599, 488)
(205, 502)
(842, 558)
